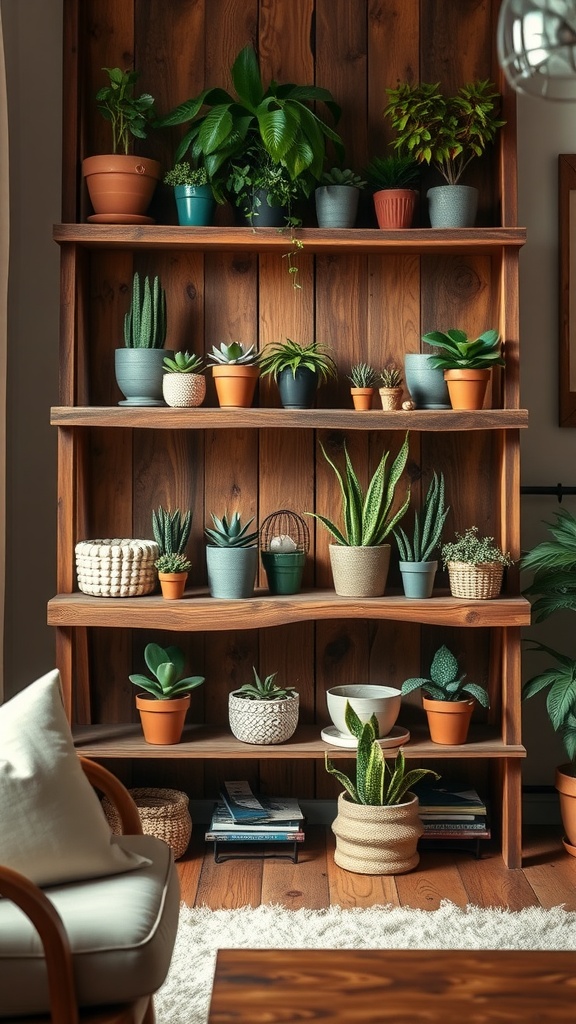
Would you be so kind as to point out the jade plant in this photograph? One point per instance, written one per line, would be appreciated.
(445, 682)
(428, 525)
(264, 689)
(145, 321)
(167, 667)
(459, 352)
(129, 115)
(171, 530)
(368, 517)
(228, 532)
(376, 783)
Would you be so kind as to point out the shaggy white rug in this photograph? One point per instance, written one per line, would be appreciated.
(185, 995)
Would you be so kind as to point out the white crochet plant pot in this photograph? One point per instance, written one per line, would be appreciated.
(263, 721)
(116, 568)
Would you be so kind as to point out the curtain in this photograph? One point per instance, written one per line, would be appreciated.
(4, 243)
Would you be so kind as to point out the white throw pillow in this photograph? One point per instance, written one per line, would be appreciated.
(52, 827)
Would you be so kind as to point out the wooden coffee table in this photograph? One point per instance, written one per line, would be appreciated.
(262, 986)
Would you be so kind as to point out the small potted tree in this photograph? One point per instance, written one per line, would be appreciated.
(336, 198)
(171, 532)
(377, 827)
(364, 379)
(393, 180)
(193, 194)
(298, 369)
(466, 363)
(139, 364)
(166, 699)
(448, 699)
(235, 370)
(183, 383)
(262, 712)
(121, 185)
(417, 566)
(475, 565)
(231, 556)
(447, 132)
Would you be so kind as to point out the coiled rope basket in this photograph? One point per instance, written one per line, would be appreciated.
(163, 812)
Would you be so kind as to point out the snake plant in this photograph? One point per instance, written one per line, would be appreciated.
(171, 530)
(145, 321)
(428, 530)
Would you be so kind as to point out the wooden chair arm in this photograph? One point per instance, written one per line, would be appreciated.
(118, 795)
(47, 922)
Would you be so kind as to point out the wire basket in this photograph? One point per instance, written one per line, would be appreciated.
(284, 531)
(163, 812)
(481, 581)
(116, 568)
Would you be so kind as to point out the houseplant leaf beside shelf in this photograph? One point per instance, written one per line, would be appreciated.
(235, 369)
(448, 700)
(262, 712)
(336, 198)
(164, 711)
(360, 558)
(119, 184)
(393, 180)
(466, 363)
(446, 132)
(475, 565)
(171, 532)
(183, 383)
(231, 557)
(298, 370)
(139, 365)
(417, 566)
(193, 194)
(377, 827)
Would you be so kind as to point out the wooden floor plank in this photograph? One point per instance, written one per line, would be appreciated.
(489, 883)
(350, 890)
(303, 884)
(549, 870)
(232, 884)
(435, 879)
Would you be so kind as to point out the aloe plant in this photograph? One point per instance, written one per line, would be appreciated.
(167, 667)
(428, 530)
(376, 782)
(230, 533)
(391, 377)
(368, 518)
(264, 689)
(171, 529)
(445, 683)
(362, 375)
(145, 321)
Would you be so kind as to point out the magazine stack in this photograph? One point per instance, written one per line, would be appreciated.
(242, 817)
(452, 812)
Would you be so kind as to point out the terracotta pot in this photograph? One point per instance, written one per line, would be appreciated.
(120, 185)
(395, 207)
(162, 720)
(359, 571)
(467, 388)
(448, 720)
(362, 397)
(235, 384)
(173, 584)
(391, 398)
(373, 840)
(565, 783)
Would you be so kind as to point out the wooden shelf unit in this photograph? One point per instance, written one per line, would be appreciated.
(369, 295)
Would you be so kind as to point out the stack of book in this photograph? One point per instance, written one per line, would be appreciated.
(242, 816)
(452, 812)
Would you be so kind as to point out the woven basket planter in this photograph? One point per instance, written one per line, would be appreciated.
(375, 840)
(359, 571)
(473, 582)
(263, 722)
(163, 812)
(116, 568)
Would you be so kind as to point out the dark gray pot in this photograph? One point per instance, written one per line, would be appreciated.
(336, 206)
(452, 206)
(427, 386)
(231, 571)
(139, 374)
(299, 391)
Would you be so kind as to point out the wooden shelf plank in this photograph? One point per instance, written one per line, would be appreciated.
(316, 240)
(206, 741)
(199, 612)
(319, 419)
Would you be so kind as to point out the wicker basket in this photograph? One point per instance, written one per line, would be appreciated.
(116, 568)
(163, 812)
(472, 582)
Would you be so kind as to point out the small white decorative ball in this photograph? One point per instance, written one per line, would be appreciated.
(282, 543)
(407, 406)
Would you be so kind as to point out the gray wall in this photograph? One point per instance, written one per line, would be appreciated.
(32, 33)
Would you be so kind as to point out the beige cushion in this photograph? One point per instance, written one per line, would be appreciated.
(121, 929)
(52, 827)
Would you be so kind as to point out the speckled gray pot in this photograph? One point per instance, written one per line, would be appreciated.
(452, 206)
(427, 386)
(231, 571)
(336, 206)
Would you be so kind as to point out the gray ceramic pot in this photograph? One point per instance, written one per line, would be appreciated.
(452, 206)
(427, 386)
(231, 571)
(139, 374)
(336, 206)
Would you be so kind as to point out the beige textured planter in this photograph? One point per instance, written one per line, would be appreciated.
(479, 582)
(358, 571)
(183, 390)
(391, 398)
(263, 721)
(377, 840)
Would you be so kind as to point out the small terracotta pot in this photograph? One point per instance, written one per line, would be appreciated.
(467, 388)
(391, 398)
(362, 397)
(565, 783)
(173, 584)
(162, 720)
(448, 720)
(395, 207)
(235, 385)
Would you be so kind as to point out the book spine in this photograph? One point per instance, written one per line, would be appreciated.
(457, 834)
(445, 826)
(255, 837)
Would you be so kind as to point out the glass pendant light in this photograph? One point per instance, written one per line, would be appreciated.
(536, 42)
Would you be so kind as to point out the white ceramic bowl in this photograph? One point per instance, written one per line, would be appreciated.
(366, 699)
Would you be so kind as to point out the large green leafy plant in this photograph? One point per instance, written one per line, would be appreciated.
(459, 352)
(368, 517)
(445, 682)
(376, 783)
(129, 115)
(281, 117)
(167, 667)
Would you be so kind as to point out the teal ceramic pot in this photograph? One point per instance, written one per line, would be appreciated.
(284, 570)
(231, 571)
(195, 204)
(139, 374)
(418, 578)
(427, 387)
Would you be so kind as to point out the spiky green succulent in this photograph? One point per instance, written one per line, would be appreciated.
(362, 375)
(336, 176)
(376, 783)
(391, 377)
(173, 563)
(167, 667)
(171, 529)
(236, 352)
(183, 362)
(264, 689)
(428, 529)
(230, 533)
(384, 172)
(445, 683)
(145, 321)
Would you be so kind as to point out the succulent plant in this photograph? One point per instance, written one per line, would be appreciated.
(236, 352)
(474, 550)
(183, 362)
(229, 533)
(445, 683)
(264, 689)
(363, 375)
(171, 529)
(336, 176)
(173, 563)
(145, 321)
(459, 352)
(167, 666)
(428, 531)
(391, 377)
